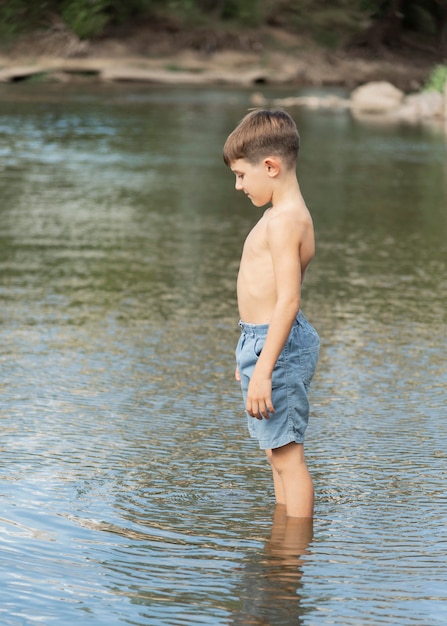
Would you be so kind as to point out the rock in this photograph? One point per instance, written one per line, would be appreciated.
(380, 99)
(421, 106)
(314, 102)
(428, 104)
(150, 75)
(13, 74)
(376, 98)
(128, 73)
(258, 99)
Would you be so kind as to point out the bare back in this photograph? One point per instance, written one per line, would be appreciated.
(258, 284)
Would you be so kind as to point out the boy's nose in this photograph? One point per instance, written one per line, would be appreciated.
(238, 186)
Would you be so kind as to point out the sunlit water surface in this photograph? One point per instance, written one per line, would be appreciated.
(130, 492)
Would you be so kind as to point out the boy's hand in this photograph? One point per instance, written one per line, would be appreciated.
(237, 374)
(259, 397)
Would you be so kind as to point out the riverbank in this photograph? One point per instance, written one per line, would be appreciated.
(267, 56)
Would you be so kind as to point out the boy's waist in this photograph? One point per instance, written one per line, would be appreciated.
(260, 330)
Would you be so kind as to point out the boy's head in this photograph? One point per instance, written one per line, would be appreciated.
(261, 134)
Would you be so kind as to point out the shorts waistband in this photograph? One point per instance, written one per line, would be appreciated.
(253, 330)
(260, 330)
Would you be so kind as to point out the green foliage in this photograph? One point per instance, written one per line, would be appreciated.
(122, 12)
(186, 12)
(246, 12)
(437, 79)
(18, 15)
(330, 22)
(86, 18)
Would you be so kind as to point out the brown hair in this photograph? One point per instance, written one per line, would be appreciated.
(263, 133)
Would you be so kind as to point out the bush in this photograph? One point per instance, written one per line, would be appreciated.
(86, 18)
(437, 79)
(17, 16)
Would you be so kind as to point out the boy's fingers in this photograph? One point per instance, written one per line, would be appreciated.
(254, 409)
(268, 412)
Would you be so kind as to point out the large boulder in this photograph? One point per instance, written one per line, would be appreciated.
(376, 98)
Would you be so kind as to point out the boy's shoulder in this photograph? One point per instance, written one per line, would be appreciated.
(289, 220)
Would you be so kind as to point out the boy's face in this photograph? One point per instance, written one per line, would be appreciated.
(254, 180)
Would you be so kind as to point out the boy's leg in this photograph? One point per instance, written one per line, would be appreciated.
(297, 487)
(277, 482)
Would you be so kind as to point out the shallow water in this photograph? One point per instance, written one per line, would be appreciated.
(130, 492)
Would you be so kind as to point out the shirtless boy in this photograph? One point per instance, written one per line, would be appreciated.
(278, 349)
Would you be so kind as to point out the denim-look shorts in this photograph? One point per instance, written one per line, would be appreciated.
(290, 381)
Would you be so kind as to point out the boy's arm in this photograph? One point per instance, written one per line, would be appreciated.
(283, 239)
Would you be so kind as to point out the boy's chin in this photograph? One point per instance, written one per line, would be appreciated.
(257, 203)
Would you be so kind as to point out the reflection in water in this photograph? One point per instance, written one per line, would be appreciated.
(272, 586)
(130, 491)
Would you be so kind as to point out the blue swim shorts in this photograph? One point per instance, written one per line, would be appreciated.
(291, 378)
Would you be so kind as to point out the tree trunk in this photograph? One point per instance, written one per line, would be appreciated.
(440, 18)
(392, 24)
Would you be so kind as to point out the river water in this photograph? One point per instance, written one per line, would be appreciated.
(130, 492)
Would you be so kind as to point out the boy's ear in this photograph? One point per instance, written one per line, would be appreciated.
(273, 165)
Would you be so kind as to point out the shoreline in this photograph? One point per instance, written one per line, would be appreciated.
(392, 82)
(309, 65)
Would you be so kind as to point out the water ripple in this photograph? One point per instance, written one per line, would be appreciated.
(130, 492)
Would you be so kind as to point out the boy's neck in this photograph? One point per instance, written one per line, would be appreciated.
(286, 189)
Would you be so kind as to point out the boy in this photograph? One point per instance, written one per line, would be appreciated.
(278, 349)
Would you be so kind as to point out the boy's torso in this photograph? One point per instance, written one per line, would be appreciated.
(256, 283)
